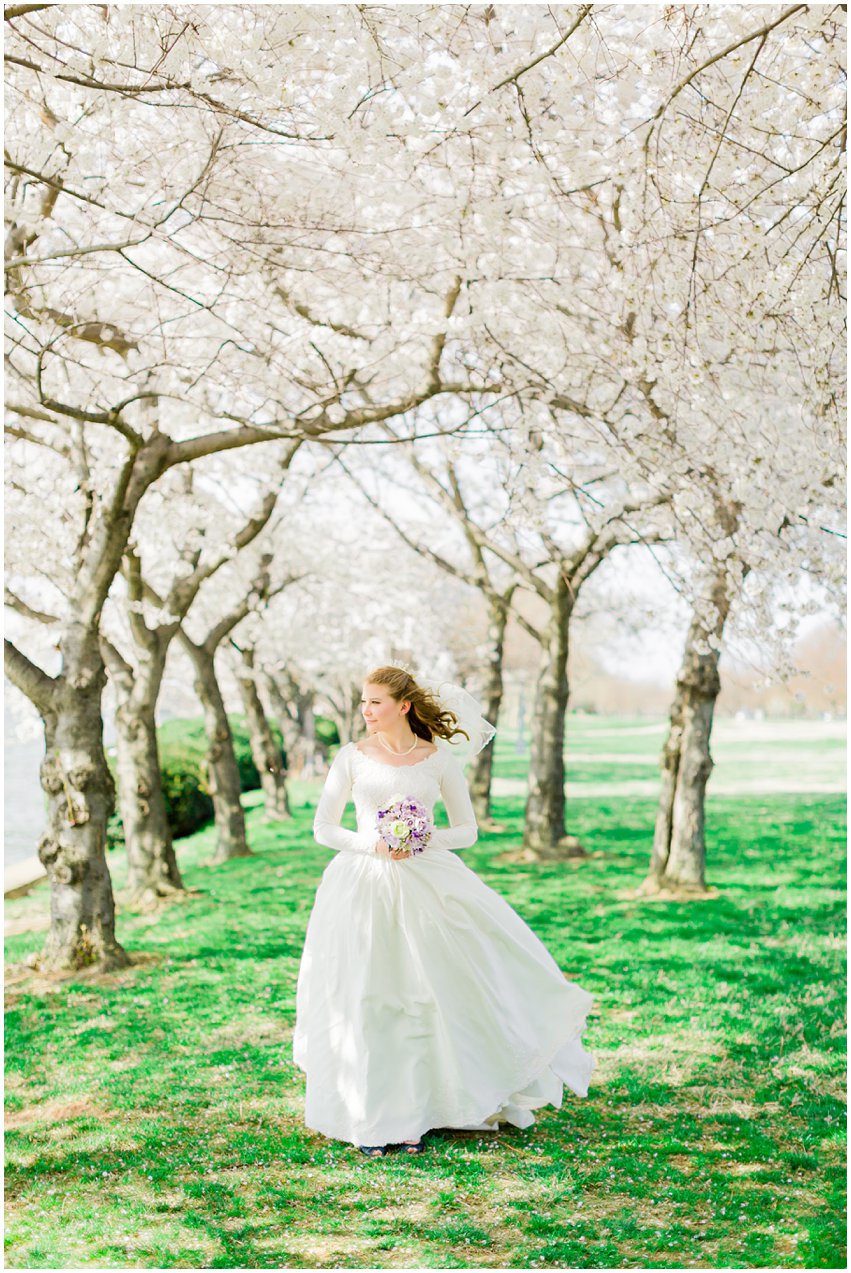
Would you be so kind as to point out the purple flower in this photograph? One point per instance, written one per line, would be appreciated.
(404, 824)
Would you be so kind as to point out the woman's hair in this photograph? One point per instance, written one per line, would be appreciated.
(425, 715)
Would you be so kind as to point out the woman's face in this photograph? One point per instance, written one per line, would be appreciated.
(380, 710)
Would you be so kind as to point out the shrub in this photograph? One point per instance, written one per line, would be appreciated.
(326, 731)
(183, 748)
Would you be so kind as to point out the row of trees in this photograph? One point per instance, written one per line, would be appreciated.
(539, 313)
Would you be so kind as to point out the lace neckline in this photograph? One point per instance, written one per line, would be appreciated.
(386, 764)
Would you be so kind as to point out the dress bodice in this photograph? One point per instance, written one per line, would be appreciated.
(372, 783)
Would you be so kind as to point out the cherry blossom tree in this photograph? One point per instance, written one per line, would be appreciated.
(439, 497)
(108, 385)
(605, 209)
(244, 596)
(715, 365)
(523, 522)
(737, 359)
(264, 749)
(179, 546)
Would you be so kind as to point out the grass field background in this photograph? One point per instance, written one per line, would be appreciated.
(154, 1115)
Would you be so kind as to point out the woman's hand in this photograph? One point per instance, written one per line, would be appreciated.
(383, 849)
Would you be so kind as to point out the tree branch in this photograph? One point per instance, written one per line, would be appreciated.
(18, 10)
(440, 339)
(117, 666)
(132, 571)
(110, 418)
(456, 509)
(416, 547)
(184, 591)
(18, 261)
(24, 435)
(515, 75)
(17, 603)
(31, 680)
(725, 52)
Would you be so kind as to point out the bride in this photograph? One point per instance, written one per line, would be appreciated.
(423, 999)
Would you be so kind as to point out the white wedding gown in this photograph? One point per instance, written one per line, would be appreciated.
(423, 999)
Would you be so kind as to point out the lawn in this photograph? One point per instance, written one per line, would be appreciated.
(154, 1115)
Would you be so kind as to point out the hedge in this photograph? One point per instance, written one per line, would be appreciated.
(182, 748)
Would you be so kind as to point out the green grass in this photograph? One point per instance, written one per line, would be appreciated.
(155, 1115)
(748, 755)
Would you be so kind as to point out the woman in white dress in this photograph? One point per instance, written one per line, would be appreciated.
(423, 999)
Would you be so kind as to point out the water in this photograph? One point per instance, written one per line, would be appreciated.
(24, 818)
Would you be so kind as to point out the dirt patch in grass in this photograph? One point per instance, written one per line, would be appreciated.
(130, 1061)
(725, 1103)
(786, 1249)
(57, 1111)
(672, 1058)
(324, 1251)
(418, 1212)
(148, 1241)
(23, 980)
(682, 1162)
(35, 923)
(248, 1029)
(634, 1256)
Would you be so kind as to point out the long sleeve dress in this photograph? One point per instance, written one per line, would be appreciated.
(423, 999)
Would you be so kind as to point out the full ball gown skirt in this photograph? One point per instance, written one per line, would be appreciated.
(423, 999)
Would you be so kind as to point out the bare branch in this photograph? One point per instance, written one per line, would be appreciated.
(184, 590)
(132, 571)
(515, 75)
(110, 418)
(440, 338)
(15, 431)
(725, 52)
(420, 549)
(117, 666)
(229, 439)
(56, 184)
(304, 312)
(30, 679)
(12, 11)
(17, 603)
(17, 261)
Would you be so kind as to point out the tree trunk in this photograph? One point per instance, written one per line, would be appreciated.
(265, 751)
(291, 706)
(481, 775)
(81, 797)
(222, 769)
(544, 834)
(152, 865)
(344, 713)
(679, 848)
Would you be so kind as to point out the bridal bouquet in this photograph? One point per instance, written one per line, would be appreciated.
(403, 823)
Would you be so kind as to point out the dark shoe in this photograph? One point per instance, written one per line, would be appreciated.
(418, 1148)
(373, 1151)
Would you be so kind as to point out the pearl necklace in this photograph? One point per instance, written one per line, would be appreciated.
(387, 747)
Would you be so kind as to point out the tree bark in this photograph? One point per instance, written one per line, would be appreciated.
(152, 865)
(150, 851)
(481, 775)
(344, 708)
(222, 769)
(293, 709)
(265, 751)
(544, 835)
(678, 861)
(152, 870)
(80, 796)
